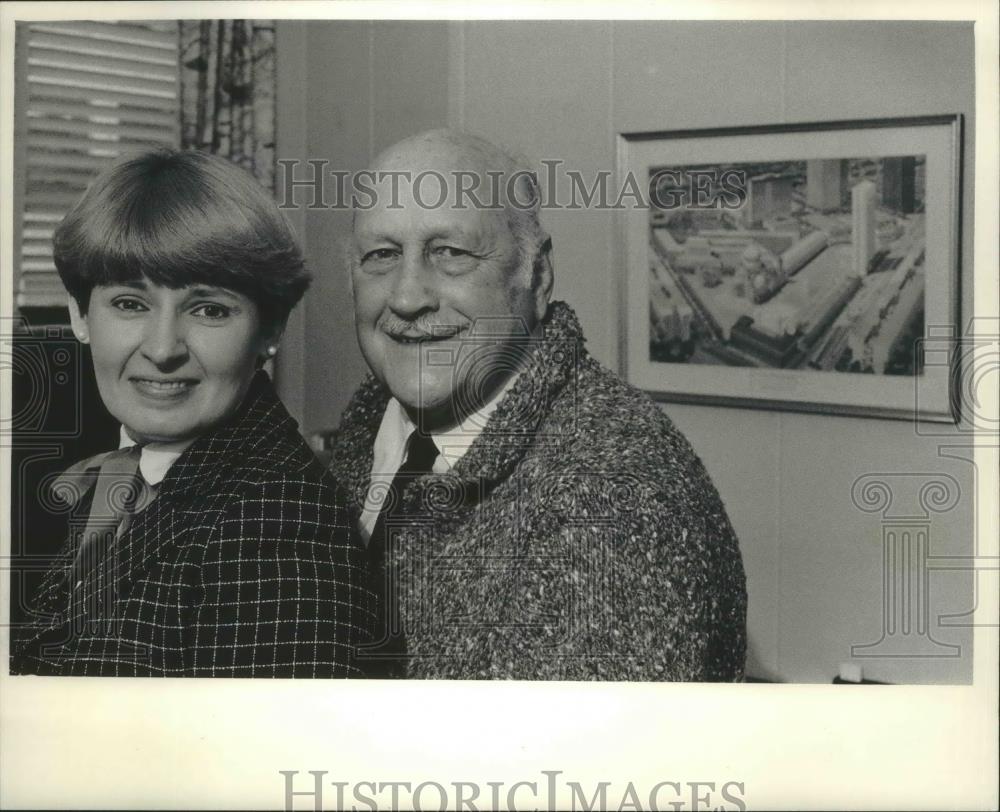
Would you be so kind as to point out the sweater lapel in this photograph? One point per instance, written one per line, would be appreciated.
(551, 367)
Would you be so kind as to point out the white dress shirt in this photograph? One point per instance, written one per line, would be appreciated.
(155, 459)
(392, 441)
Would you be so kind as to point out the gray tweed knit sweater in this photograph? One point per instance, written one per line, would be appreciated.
(580, 537)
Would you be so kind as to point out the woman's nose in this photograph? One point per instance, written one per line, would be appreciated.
(164, 342)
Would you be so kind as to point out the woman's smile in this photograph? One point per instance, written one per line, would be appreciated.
(164, 388)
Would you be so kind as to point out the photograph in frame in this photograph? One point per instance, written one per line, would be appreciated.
(802, 266)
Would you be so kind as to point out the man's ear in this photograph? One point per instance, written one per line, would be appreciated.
(543, 278)
(78, 319)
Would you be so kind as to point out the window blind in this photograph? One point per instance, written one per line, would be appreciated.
(92, 91)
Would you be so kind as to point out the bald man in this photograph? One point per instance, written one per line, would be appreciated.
(528, 514)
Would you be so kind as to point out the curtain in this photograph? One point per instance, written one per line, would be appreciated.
(227, 89)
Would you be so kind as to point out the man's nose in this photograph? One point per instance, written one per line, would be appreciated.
(414, 289)
(164, 343)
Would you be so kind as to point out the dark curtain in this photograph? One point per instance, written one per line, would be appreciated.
(227, 91)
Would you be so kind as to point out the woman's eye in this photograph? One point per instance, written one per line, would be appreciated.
(209, 310)
(128, 305)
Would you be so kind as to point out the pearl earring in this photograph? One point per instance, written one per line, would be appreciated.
(272, 350)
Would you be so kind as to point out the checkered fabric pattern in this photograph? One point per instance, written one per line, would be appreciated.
(245, 565)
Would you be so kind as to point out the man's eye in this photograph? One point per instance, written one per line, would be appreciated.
(450, 251)
(210, 310)
(128, 304)
(379, 255)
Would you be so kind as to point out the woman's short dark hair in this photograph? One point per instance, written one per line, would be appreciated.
(181, 218)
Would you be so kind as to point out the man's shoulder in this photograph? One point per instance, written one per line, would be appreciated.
(604, 436)
(601, 415)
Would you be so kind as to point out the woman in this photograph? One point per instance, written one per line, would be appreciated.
(212, 543)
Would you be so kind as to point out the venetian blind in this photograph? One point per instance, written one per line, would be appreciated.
(92, 91)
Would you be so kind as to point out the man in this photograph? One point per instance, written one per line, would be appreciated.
(529, 514)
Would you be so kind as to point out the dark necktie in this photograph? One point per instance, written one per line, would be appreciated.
(389, 647)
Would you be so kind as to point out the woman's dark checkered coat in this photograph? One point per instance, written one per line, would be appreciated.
(243, 566)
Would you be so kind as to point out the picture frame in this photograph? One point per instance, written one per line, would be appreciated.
(807, 267)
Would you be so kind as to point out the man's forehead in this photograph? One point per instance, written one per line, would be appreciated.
(441, 163)
(440, 182)
(443, 152)
(450, 177)
(427, 222)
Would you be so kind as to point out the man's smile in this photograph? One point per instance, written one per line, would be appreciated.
(441, 333)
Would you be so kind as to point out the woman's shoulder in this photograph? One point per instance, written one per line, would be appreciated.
(286, 460)
(260, 444)
(286, 488)
(258, 465)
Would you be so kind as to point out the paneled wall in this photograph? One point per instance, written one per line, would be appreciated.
(564, 90)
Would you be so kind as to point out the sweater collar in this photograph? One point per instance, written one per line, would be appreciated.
(551, 364)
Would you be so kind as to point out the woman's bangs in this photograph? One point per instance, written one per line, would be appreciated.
(173, 247)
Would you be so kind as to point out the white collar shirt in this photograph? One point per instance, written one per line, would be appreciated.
(393, 438)
(155, 459)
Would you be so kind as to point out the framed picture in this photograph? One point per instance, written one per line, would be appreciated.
(800, 266)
